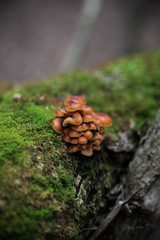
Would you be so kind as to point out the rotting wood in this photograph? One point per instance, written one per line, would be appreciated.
(143, 177)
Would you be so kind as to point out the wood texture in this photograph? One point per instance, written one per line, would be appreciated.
(136, 212)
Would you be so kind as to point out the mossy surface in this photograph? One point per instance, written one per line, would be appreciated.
(37, 196)
(35, 171)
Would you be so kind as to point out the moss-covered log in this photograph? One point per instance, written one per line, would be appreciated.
(46, 193)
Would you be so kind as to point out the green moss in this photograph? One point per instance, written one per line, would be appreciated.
(135, 88)
(37, 198)
(32, 158)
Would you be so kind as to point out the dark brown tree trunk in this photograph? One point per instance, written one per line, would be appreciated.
(135, 211)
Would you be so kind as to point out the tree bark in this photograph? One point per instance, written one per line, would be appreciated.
(135, 214)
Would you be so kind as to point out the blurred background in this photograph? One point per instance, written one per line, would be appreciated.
(41, 38)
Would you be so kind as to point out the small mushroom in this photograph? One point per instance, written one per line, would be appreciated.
(88, 118)
(96, 136)
(66, 113)
(86, 110)
(92, 126)
(82, 140)
(96, 142)
(88, 134)
(96, 147)
(83, 146)
(97, 122)
(57, 124)
(105, 119)
(58, 113)
(73, 148)
(66, 131)
(78, 99)
(87, 152)
(67, 138)
(72, 106)
(74, 140)
(80, 128)
(74, 134)
(74, 119)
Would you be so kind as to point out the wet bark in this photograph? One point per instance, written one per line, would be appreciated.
(132, 205)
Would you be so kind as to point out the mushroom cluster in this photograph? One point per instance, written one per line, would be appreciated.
(80, 126)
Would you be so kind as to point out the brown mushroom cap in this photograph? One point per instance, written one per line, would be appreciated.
(88, 118)
(80, 128)
(78, 99)
(74, 134)
(73, 148)
(83, 146)
(96, 136)
(66, 131)
(96, 147)
(58, 113)
(74, 140)
(64, 110)
(67, 138)
(74, 119)
(88, 134)
(96, 142)
(57, 124)
(92, 126)
(86, 110)
(82, 140)
(87, 152)
(97, 122)
(105, 119)
(72, 106)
